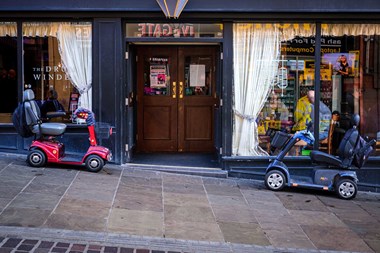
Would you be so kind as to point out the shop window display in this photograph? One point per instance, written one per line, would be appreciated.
(57, 67)
(269, 91)
(352, 83)
(8, 70)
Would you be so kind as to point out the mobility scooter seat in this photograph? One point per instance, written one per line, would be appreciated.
(52, 129)
(32, 115)
(324, 158)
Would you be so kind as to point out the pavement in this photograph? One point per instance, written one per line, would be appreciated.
(128, 209)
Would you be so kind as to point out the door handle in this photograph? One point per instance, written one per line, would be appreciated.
(181, 90)
(174, 90)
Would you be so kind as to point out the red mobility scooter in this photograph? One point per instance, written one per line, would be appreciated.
(46, 148)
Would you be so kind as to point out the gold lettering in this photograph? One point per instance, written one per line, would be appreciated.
(185, 31)
(142, 29)
(157, 31)
(167, 30)
(150, 29)
(191, 31)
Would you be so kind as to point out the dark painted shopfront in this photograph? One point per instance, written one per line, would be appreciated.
(215, 80)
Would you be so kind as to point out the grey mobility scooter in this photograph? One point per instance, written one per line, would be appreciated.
(329, 173)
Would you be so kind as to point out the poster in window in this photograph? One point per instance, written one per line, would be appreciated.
(342, 63)
(197, 75)
(309, 72)
(158, 76)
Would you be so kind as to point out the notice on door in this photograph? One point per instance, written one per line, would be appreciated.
(158, 76)
(197, 75)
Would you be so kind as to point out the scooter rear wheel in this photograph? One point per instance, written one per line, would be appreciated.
(346, 188)
(36, 158)
(275, 180)
(94, 163)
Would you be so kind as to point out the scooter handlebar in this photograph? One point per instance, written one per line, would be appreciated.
(306, 136)
(86, 114)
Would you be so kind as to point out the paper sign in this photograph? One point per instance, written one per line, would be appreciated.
(197, 75)
(157, 76)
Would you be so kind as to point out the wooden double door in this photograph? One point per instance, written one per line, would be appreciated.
(176, 98)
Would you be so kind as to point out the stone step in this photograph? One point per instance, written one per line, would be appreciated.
(186, 170)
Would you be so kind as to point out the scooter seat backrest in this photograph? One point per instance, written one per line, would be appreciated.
(347, 146)
(32, 110)
(28, 95)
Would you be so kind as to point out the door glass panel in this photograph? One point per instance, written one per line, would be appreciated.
(157, 76)
(198, 75)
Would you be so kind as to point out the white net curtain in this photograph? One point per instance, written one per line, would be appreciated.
(76, 60)
(256, 51)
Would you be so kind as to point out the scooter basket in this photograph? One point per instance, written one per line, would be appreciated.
(103, 130)
(279, 139)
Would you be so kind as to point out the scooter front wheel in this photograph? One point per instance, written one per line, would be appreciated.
(346, 188)
(94, 163)
(275, 180)
(36, 158)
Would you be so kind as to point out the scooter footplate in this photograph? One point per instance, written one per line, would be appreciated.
(72, 158)
(301, 179)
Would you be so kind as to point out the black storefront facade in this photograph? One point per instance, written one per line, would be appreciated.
(145, 68)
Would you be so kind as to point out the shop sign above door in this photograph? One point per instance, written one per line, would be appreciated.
(172, 8)
(165, 30)
(173, 30)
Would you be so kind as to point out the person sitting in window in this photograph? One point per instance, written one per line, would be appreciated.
(51, 105)
(276, 109)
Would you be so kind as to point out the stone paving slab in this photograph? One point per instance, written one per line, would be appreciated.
(341, 238)
(230, 214)
(16, 239)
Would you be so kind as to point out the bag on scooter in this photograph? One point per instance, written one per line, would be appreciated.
(19, 121)
(279, 140)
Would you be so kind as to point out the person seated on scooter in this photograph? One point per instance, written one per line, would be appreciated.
(304, 113)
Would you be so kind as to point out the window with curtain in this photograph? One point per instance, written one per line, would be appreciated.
(354, 74)
(8, 70)
(273, 70)
(274, 75)
(58, 67)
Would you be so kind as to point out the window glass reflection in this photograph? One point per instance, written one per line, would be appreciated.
(58, 67)
(274, 83)
(8, 70)
(353, 75)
